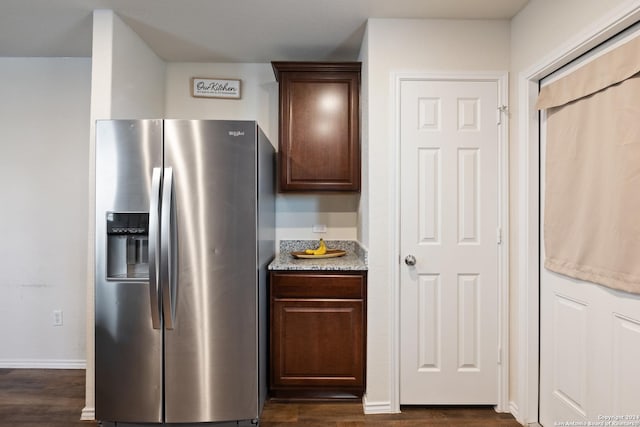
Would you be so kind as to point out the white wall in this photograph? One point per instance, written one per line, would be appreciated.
(137, 76)
(296, 214)
(363, 210)
(393, 46)
(542, 30)
(258, 94)
(44, 135)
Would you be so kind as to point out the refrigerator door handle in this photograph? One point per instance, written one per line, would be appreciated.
(168, 251)
(154, 242)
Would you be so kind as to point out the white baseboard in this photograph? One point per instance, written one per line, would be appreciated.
(513, 409)
(43, 364)
(371, 408)
(88, 414)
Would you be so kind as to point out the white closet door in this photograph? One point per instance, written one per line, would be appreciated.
(589, 343)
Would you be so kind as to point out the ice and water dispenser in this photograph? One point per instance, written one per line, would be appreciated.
(127, 245)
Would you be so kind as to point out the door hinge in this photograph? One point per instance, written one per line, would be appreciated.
(499, 235)
(501, 109)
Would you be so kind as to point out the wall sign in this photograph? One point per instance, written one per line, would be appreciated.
(215, 88)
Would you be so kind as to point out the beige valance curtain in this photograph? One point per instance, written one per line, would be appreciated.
(592, 193)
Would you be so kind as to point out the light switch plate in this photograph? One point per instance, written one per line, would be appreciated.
(57, 317)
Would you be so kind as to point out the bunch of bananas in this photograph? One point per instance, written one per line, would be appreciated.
(322, 249)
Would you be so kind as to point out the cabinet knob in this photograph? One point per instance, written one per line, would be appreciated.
(410, 260)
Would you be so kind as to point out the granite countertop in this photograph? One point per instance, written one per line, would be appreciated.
(354, 260)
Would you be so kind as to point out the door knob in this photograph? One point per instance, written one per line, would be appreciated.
(410, 260)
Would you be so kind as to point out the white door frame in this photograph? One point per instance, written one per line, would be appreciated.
(501, 78)
(526, 408)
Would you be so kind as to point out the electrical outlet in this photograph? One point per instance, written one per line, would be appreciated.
(57, 317)
(319, 228)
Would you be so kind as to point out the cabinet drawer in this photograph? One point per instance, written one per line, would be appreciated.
(306, 285)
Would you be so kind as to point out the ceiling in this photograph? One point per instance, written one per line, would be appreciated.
(225, 30)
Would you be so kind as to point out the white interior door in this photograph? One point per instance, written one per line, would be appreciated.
(589, 347)
(449, 224)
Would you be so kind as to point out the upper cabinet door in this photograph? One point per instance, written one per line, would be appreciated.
(319, 148)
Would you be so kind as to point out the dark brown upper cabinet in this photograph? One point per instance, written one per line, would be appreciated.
(319, 148)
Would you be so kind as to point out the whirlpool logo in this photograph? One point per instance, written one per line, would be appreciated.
(236, 133)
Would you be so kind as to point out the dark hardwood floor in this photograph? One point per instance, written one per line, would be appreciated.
(54, 398)
(42, 397)
(350, 415)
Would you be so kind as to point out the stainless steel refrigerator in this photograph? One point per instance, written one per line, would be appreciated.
(185, 223)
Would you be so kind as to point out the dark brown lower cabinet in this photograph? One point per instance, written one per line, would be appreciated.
(317, 335)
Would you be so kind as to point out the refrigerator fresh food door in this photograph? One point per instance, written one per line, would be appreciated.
(128, 350)
(211, 351)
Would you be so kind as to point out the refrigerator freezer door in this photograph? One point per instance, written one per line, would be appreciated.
(211, 355)
(154, 248)
(128, 349)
